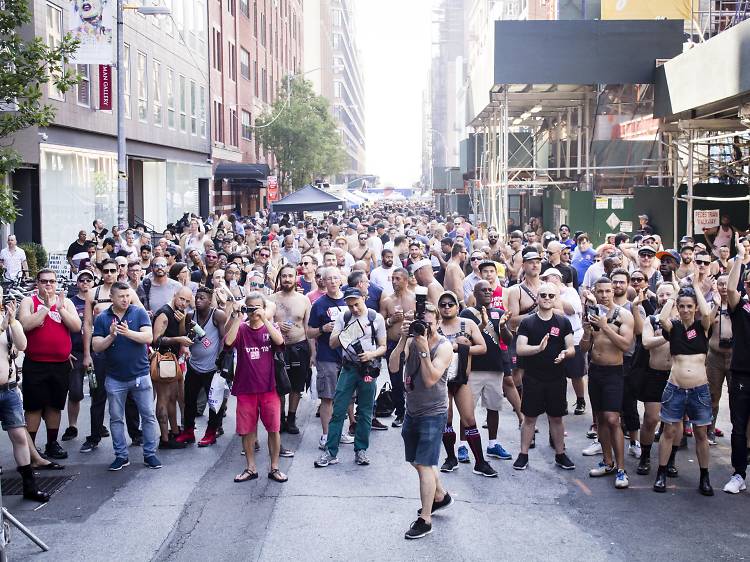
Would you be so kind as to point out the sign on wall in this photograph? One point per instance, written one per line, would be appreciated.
(91, 22)
(703, 219)
(105, 87)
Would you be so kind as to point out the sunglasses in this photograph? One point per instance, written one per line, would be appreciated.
(637, 279)
(265, 255)
(155, 266)
(547, 295)
(85, 280)
(109, 270)
(47, 281)
(306, 262)
(702, 262)
(122, 265)
(447, 304)
(476, 258)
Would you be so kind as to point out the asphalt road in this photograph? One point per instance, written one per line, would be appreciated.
(192, 510)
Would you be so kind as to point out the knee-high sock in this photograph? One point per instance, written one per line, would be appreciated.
(449, 441)
(475, 442)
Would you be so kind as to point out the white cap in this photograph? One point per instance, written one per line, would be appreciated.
(551, 271)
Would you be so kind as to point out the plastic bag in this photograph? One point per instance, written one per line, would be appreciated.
(216, 392)
(314, 383)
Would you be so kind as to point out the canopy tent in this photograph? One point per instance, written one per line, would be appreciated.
(309, 198)
(354, 200)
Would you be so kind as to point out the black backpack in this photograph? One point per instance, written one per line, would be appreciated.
(384, 405)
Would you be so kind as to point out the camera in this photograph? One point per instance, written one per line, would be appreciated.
(370, 368)
(418, 327)
(248, 309)
(726, 343)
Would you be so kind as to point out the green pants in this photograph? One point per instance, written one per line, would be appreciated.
(349, 381)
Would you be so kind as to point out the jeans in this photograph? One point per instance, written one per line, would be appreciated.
(143, 395)
(349, 381)
(194, 381)
(739, 413)
(397, 383)
(99, 399)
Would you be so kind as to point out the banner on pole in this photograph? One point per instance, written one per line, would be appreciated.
(704, 219)
(91, 23)
(273, 188)
(105, 87)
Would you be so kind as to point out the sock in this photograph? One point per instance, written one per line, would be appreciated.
(673, 454)
(492, 443)
(52, 434)
(475, 442)
(291, 418)
(449, 441)
(662, 469)
(645, 451)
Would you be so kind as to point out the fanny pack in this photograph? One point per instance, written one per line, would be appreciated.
(164, 367)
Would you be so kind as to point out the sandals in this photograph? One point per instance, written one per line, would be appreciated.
(277, 476)
(246, 475)
(52, 465)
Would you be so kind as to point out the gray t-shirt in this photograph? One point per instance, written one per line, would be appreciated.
(367, 339)
(159, 295)
(420, 400)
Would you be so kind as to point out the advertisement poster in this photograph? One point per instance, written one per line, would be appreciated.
(92, 23)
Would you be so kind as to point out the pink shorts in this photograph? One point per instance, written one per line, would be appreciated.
(250, 406)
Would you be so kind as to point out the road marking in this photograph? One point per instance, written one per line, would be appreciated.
(585, 489)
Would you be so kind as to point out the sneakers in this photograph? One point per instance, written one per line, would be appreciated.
(136, 441)
(497, 452)
(564, 462)
(398, 422)
(445, 503)
(602, 469)
(346, 439)
(322, 442)
(286, 453)
(735, 485)
(55, 451)
(88, 446)
(119, 463)
(418, 529)
(484, 469)
(70, 433)
(591, 433)
(463, 454)
(621, 480)
(360, 457)
(634, 449)
(450, 465)
(378, 425)
(580, 408)
(325, 459)
(592, 450)
(152, 461)
(104, 432)
(521, 462)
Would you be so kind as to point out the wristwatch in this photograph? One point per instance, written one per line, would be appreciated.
(423, 354)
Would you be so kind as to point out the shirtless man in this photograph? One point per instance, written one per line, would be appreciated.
(454, 275)
(719, 355)
(513, 257)
(292, 315)
(687, 266)
(607, 333)
(394, 308)
(362, 252)
(98, 300)
(425, 277)
(659, 364)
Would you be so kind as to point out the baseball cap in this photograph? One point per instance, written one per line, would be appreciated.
(528, 256)
(671, 253)
(450, 294)
(687, 246)
(551, 271)
(487, 263)
(643, 217)
(646, 250)
(352, 293)
(84, 272)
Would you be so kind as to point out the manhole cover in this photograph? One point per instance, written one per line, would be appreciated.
(49, 484)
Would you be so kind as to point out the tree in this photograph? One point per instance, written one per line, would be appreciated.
(25, 66)
(301, 133)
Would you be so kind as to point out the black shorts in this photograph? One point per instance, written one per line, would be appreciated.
(507, 362)
(652, 385)
(45, 385)
(75, 379)
(606, 385)
(575, 368)
(542, 395)
(297, 358)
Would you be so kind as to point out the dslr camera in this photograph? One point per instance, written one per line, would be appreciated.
(370, 368)
(418, 327)
(248, 309)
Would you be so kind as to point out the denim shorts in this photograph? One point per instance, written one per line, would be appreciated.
(11, 410)
(695, 402)
(423, 438)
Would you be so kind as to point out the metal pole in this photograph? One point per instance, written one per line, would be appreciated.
(587, 143)
(690, 180)
(122, 159)
(568, 127)
(558, 146)
(579, 139)
(674, 157)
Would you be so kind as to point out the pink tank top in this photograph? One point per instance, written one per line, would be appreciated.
(50, 342)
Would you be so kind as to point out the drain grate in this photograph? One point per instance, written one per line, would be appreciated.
(49, 484)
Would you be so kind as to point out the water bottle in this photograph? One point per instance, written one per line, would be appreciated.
(198, 330)
(91, 375)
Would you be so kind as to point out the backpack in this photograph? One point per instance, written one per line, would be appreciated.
(371, 315)
(384, 405)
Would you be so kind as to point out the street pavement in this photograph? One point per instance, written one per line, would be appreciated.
(192, 510)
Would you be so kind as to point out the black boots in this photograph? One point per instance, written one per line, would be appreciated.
(30, 490)
(291, 425)
(644, 465)
(661, 480)
(672, 471)
(704, 487)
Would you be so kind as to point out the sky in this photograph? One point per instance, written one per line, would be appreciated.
(393, 37)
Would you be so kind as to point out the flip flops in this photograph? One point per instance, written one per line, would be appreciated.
(246, 475)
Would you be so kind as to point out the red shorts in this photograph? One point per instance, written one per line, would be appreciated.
(250, 406)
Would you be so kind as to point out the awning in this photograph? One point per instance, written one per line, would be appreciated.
(243, 174)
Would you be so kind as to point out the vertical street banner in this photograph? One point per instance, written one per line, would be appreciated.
(105, 87)
(273, 188)
(91, 22)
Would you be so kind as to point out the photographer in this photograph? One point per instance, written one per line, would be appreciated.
(361, 366)
(424, 359)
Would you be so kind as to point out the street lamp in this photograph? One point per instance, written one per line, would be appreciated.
(122, 159)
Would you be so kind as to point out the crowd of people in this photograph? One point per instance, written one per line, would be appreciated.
(450, 312)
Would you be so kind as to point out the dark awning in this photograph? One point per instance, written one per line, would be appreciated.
(242, 173)
(309, 198)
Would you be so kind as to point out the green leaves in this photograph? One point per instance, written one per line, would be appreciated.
(302, 135)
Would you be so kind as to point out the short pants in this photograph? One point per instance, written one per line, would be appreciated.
(652, 385)
(11, 409)
(695, 402)
(75, 379)
(575, 368)
(487, 385)
(544, 396)
(297, 359)
(267, 405)
(423, 438)
(606, 385)
(45, 385)
(327, 377)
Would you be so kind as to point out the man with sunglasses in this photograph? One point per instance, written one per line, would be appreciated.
(362, 252)
(306, 280)
(158, 288)
(554, 260)
(702, 276)
(565, 238)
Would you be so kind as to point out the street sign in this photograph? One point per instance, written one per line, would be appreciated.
(613, 220)
(703, 219)
(273, 188)
(626, 226)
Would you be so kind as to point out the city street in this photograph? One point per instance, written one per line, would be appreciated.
(192, 510)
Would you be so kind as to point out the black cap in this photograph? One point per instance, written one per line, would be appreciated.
(352, 292)
(487, 263)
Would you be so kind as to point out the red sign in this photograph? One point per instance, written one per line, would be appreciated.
(105, 87)
(273, 188)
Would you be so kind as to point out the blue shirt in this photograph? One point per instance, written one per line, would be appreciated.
(570, 243)
(582, 261)
(323, 311)
(374, 293)
(125, 359)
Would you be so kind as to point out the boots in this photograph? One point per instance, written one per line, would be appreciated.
(291, 425)
(672, 471)
(704, 487)
(30, 490)
(186, 436)
(209, 438)
(661, 480)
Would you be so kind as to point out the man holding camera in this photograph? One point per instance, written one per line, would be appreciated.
(360, 368)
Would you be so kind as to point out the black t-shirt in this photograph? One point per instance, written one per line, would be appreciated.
(75, 248)
(741, 335)
(172, 330)
(687, 341)
(542, 365)
(493, 359)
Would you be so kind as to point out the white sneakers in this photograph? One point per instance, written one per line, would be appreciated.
(635, 449)
(346, 439)
(592, 450)
(322, 442)
(735, 485)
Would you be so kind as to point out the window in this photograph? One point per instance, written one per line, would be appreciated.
(170, 99)
(233, 128)
(255, 77)
(255, 18)
(126, 81)
(156, 92)
(244, 63)
(217, 55)
(263, 29)
(232, 61)
(142, 88)
(263, 85)
(202, 109)
(218, 121)
(230, 6)
(193, 109)
(247, 130)
(54, 37)
(84, 86)
(245, 8)
(183, 104)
